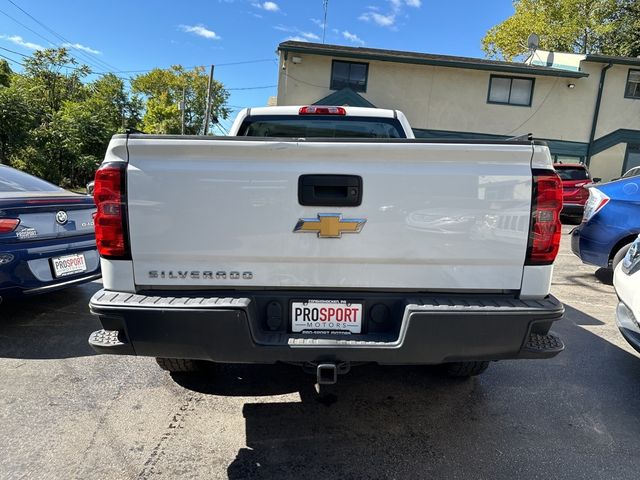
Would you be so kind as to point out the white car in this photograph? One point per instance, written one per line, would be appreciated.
(626, 281)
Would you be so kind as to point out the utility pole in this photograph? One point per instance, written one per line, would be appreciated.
(207, 112)
(183, 106)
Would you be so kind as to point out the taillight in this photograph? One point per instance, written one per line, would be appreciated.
(110, 220)
(546, 229)
(321, 110)
(8, 225)
(597, 200)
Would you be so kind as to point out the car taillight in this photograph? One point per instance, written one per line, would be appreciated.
(110, 220)
(544, 236)
(597, 200)
(320, 110)
(8, 225)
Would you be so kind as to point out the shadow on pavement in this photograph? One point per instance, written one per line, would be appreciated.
(52, 325)
(578, 317)
(573, 416)
(585, 279)
(244, 380)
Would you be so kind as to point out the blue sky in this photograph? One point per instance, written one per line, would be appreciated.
(131, 36)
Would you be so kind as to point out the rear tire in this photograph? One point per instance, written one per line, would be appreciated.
(620, 254)
(178, 364)
(465, 369)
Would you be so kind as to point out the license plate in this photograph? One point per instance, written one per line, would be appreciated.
(326, 316)
(68, 265)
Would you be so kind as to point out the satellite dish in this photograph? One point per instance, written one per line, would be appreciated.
(533, 42)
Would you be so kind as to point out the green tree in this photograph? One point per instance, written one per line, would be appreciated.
(579, 26)
(5, 73)
(57, 76)
(163, 89)
(16, 120)
(625, 38)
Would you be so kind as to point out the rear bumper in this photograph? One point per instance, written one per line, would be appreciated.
(30, 271)
(587, 248)
(430, 330)
(628, 325)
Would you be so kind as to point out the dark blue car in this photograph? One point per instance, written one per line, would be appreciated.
(47, 238)
(610, 224)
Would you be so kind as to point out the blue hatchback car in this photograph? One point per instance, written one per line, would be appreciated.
(610, 224)
(47, 238)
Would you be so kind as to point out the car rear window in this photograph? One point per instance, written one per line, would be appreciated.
(323, 126)
(12, 180)
(572, 173)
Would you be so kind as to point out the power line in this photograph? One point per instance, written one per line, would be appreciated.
(24, 26)
(252, 88)
(57, 35)
(544, 100)
(13, 51)
(12, 60)
(238, 107)
(36, 33)
(202, 66)
(306, 83)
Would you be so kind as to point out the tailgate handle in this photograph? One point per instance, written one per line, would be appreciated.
(330, 190)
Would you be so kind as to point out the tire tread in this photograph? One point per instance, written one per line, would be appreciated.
(177, 364)
(466, 369)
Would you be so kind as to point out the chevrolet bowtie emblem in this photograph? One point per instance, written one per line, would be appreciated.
(330, 225)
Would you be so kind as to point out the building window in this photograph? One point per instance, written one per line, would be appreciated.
(510, 90)
(632, 158)
(633, 84)
(349, 74)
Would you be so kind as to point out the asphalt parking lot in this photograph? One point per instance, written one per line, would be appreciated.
(67, 413)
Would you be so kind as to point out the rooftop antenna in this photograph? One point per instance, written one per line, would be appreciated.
(325, 5)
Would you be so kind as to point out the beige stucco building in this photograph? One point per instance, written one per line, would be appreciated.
(587, 107)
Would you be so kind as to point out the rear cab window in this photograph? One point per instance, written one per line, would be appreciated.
(320, 126)
(572, 172)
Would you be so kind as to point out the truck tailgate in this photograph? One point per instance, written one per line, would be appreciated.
(221, 213)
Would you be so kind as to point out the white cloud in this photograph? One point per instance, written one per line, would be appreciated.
(310, 36)
(268, 6)
(352, 37)
(306, 36)
(297, 38)
(84, 48)
(201, 31)
(378, 18)
(318, 23)
(18, 40)
(375, 15)
(398, 4)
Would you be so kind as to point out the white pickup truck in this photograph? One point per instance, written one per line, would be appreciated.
(326, 236)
